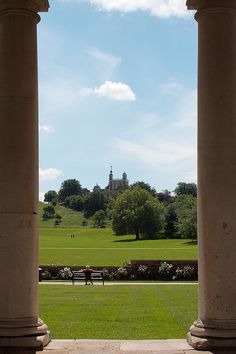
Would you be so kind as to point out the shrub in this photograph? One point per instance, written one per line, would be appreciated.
(65, 273)
(143, 272)
(84, 222)
(46, 275)
(185, 273)
(121, 273)
(165, 271)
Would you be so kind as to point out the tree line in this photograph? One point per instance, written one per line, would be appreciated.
(136, 209)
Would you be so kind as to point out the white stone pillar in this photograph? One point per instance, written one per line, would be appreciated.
(20, 329)
(216, 326)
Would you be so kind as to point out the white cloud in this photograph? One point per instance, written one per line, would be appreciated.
(59, 94)
(49, 174)
(158, 153)
(172, 86)
(166, 146)
(108, 59)
(117, 91)
(41, 196)
(159, 8)
(46, 128)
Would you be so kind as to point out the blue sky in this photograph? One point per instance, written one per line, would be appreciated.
(117, 86)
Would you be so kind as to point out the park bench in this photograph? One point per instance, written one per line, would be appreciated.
(77, 275)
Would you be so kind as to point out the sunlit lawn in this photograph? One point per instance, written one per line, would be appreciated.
(102, 247)
(119, 312)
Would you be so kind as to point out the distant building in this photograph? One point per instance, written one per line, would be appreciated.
(117, 183)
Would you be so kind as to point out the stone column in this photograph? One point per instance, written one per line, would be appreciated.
(216, 326)
(20, 329)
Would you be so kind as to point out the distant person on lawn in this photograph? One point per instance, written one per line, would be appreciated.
(88, 272)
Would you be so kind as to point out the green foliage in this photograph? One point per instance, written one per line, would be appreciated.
(99, 218)
(144, 186)
(70, 218)
(58, 220)
(186, 189)
(50, 196)
(69, 187)
(137, 212)
(171, 220)
(97, 200)
(84, 222)
(75, 202)
(186, 211)
(48, 212)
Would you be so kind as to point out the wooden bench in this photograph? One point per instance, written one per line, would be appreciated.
(77, 275)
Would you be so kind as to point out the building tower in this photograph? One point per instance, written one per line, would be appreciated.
(110, 179)
(124, 178)
(115, 183)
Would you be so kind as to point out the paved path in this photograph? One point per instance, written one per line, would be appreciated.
(110, 283)
(90, 346)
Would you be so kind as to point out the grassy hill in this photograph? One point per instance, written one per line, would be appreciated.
(70, 218)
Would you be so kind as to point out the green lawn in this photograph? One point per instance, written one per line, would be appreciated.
(118, 312)
(70, 218)
(101, 247)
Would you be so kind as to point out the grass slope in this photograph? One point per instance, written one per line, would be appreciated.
(118, 312)
(70, 218)
(101, 247)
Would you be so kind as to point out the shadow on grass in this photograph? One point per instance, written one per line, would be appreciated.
(134, 240)
(193, 242)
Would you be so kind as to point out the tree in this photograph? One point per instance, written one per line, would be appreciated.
(186, 189)
(58, 220)
(137, 212)
(99, 218)
(50, 196)
(165, 196)
(144, 186)
(186, 211)
(69, 187)
(171, 220)
(75, 202)
(97, 200)
(48, 212)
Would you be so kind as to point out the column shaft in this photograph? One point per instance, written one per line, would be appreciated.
(19, 177)
(216, 327)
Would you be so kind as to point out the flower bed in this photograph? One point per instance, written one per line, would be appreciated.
(138, 270)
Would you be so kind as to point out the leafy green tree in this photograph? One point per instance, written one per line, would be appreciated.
(84, 222)
(144, 186)
(48, 212)
(137, 212)
(75, 202)
(58, 220)
(99, 218)
(69, 187)
(186, 211)
(171, 220)
(50, 196)
(186, 189)
(97, 200)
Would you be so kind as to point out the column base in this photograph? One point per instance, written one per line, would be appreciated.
(220, 335)
(24, 345)
(209, 344)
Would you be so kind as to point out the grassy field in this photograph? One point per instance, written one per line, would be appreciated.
(101, 247)
(70, 218)
(118, 312)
